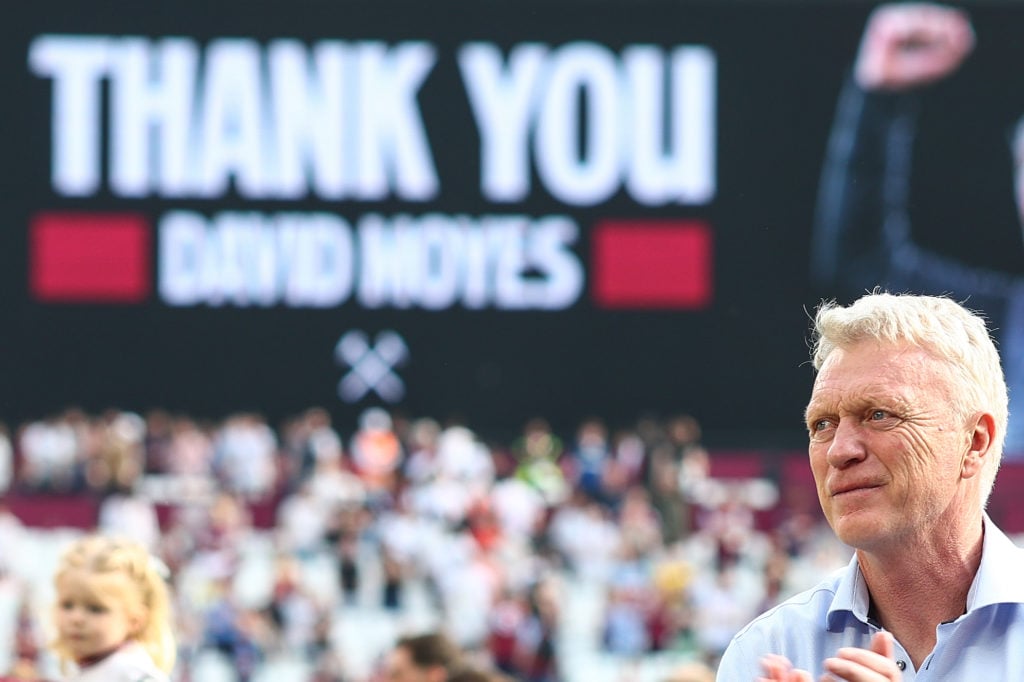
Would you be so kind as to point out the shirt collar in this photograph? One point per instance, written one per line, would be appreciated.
(851, 597)
(996, 582)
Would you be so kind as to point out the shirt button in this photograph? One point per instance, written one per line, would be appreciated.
(901, 664)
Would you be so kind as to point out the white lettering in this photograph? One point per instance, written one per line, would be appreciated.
(441, 254)
(340, 120)
(243, 259)
(589, 175)
(392, 148)
(76, 64)
(320, 271)
(152, 90)
(309, 118)
(503, 104)
(594, 122)
(229, 143)
(182, 237)
(433, 261)
(549, 253)
(683, 170)
(389, 263)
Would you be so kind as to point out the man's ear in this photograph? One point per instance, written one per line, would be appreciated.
(982, 436)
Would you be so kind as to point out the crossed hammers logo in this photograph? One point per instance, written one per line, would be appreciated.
(372, 367)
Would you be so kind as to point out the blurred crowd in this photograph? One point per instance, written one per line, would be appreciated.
(527, 554)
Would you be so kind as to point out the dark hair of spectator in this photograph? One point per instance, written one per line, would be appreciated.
(430, 649)
(473, 673)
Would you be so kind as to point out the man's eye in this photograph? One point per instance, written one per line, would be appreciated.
(879, 415)
(820, 424)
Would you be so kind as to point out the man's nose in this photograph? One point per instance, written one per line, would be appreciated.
(847, 446)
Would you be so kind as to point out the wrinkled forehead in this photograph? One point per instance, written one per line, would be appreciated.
(882, 369)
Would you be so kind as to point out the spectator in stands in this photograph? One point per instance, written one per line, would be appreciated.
(159, 434)
(906, 422)
(295, 611)
(638, 521)
(125, 513)
(6, 459)
(377, 456)
(629, 599)
(505, 618)
(423, 442)
(537, 639)
(308, 441)
(721, 606)
(234, 631)
(345, 531)
(469, 584)
(587, 460)
(191, 449)
(246, 456)
(328, 667)
(118, 457)
(113, 615)
(461, 457)
(584, 536)
(49, 451)
(28, 644)
(12, 539)
(302, 520)
(537, 452)
(673, 466)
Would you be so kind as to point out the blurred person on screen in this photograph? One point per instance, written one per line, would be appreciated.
(921, 189)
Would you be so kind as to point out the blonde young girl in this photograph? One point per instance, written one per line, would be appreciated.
(112, 615)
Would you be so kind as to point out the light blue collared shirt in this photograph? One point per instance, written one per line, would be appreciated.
(986, 643)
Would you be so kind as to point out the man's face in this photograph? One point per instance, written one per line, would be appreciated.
(886, 447)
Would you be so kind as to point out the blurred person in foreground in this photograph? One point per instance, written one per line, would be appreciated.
(427, 657)
(906, 423)
(113, 613)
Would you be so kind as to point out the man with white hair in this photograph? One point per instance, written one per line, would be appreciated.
(906, 423)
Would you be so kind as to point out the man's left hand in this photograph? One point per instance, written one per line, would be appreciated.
(877, 664)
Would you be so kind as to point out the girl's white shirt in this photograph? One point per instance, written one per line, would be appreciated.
(130, 663)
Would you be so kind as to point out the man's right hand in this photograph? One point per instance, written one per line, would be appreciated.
(777, 668)
(911, 44)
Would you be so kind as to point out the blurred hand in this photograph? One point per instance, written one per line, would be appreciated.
(864, 665)
(877, 664)
(910, 44)
(779, 669)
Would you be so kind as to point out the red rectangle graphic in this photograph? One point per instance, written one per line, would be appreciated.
(651, 264)
(83, 257)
